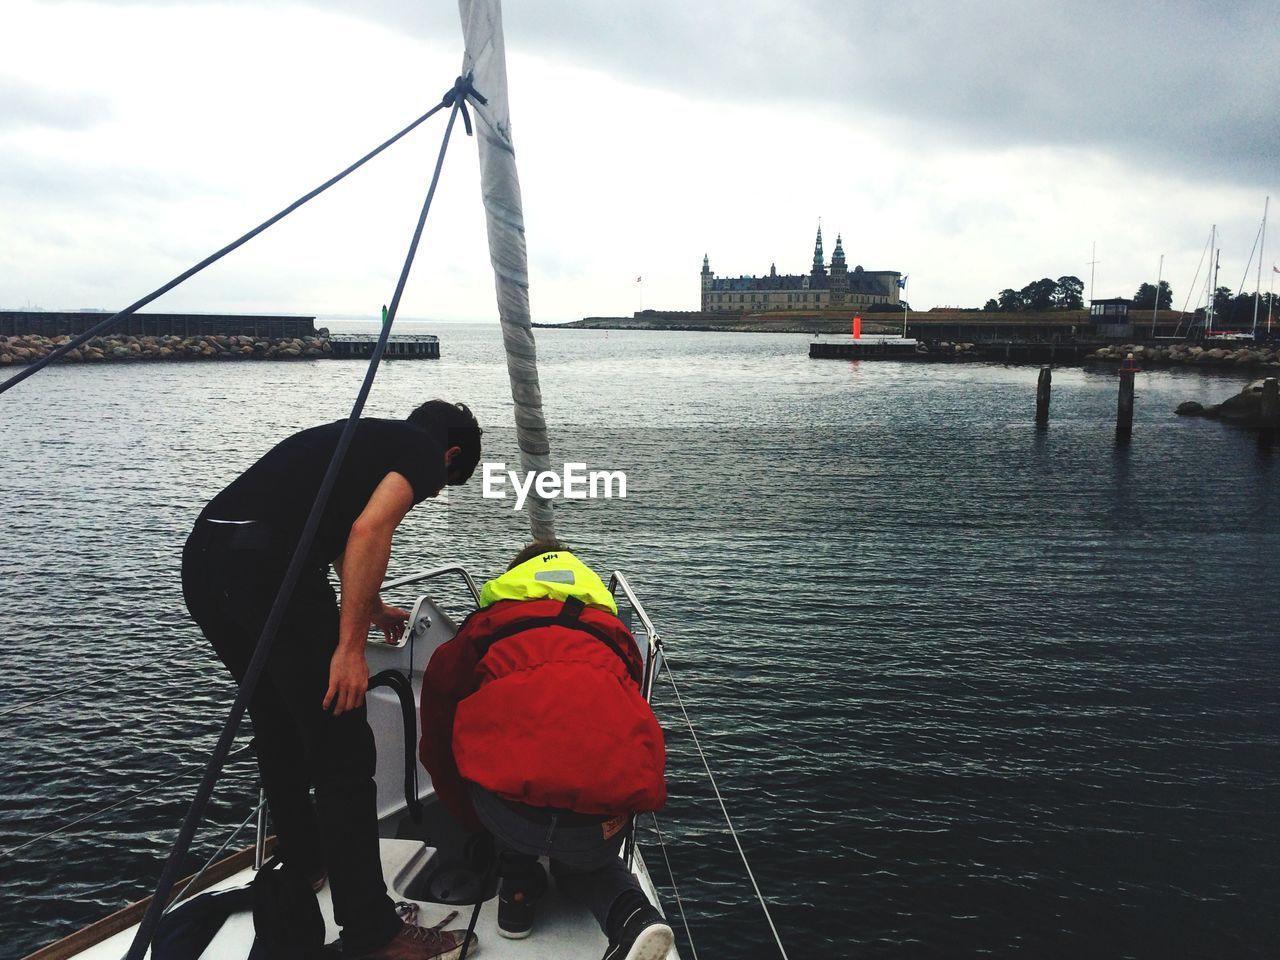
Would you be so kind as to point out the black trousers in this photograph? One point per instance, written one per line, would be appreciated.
(229, 589)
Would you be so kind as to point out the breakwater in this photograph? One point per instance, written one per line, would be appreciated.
(29, 349)
(1191, 354)
(1262, 357)
(55, 324)
(119, 347)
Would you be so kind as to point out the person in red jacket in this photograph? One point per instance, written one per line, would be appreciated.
(534, 727)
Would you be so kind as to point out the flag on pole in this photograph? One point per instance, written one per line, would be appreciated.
(902, 282)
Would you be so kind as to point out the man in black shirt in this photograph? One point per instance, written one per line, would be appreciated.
(310, 727)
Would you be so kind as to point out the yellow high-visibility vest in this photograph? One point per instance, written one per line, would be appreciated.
(554, 576)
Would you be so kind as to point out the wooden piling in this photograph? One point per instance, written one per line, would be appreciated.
(1124, 406)
(1043, 387)
(1270, 403)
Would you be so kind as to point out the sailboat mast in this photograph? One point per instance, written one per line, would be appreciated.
(1210, 280)
(485, 62)
(1272, 298)
(906, 300)
(1257, 289)
(1093, 263)
(1156, 306)
(1217, 267)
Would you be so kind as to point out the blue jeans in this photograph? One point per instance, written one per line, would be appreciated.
(584, 860)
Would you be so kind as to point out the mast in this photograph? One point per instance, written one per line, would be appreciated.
(485, 61)
(1272, 298)
(1092, 264)
(1210, 281)
(1217, 265)
(1257, 289)
(1156, 306)
(906, 299)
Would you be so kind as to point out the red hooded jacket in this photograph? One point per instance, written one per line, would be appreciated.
(539, 702)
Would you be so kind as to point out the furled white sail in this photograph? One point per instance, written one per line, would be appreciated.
(486, 62)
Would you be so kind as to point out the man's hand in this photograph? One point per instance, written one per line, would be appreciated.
(391, 621)
(348, 680)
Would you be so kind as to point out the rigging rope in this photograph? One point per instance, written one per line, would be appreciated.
(216, 854)
(1257, 238)
(666, 662)
(186, 769)
(146, 930)
(662, 845)
(1194, 280)
(101, 327)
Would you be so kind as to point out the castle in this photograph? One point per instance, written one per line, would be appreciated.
(822, 288)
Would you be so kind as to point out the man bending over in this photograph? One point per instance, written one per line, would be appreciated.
(309, 722)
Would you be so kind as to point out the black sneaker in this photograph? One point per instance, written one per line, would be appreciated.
(523, 884)
(644, 935)
(515, 914)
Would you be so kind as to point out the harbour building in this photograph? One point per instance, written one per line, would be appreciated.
(824, 287)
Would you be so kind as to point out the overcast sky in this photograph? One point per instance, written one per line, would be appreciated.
(974, 146)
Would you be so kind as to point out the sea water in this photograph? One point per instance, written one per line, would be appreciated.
(967, 688)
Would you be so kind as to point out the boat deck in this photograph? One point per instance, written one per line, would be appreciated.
(563, 931)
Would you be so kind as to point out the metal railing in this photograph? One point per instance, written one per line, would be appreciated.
(435, 572)
(618, 581)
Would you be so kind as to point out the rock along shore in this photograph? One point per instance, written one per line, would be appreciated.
(1182, 354)
(111, 348)
(1257, 405)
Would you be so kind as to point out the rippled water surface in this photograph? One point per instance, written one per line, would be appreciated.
(968, 689)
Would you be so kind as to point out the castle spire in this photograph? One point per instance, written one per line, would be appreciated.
(819, 262)
(838, 255)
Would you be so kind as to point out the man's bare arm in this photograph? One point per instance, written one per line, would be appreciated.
(362, 568)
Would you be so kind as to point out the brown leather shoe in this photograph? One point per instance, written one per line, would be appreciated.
(423, 943)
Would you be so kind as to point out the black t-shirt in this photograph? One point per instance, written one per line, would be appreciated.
(280, 489)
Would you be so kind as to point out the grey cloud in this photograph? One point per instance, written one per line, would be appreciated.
(61, 183)
(23, 104)
(1183, 85)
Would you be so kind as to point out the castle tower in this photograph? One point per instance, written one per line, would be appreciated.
(819, 262)
(839, 274)
(707, 276)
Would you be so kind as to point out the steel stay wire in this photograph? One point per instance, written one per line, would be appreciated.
(1194, 284)
(19, 707)
(146, 929)
(137, 795)
(79, 685)
(133, 308)
(666, 662)
(216, 854)
(662, 845)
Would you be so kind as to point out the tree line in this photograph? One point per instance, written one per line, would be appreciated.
(1067, 293)
(1232, 310)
